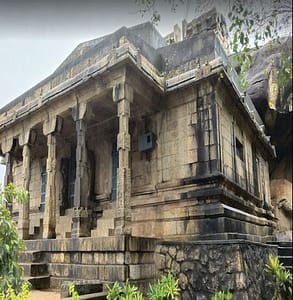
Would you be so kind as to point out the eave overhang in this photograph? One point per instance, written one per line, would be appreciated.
(128, 53)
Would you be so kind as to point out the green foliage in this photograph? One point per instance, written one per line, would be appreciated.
(282, 279)
(254, 26)
(147, 6)
(114, 292)
(11, 193)
(10, 243)
(72, 292)
(164, 289)
(251, 23)
(10, 293)
(127, 292)
(222, 296)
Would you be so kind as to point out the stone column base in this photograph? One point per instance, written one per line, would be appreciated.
(80, 224)
(122, 221)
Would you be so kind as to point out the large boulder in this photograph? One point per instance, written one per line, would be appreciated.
(274, 105)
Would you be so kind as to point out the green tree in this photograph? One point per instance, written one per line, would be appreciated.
(11, 274)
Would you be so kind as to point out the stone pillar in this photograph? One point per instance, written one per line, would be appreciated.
(23, 219)
(123, 96)
(49, 222)
(6, 146)
(52, 126)
(80, 222)
(8, 169)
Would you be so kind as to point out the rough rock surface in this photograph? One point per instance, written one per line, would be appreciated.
(277, 117)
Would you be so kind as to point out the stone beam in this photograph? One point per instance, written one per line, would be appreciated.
(123, 96)
(149, 97)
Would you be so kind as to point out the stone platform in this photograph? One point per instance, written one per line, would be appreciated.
(106, 259)
(203, 267)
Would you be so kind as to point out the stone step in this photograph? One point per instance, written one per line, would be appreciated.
(56, 282)
(93, 296)
(30, 256)
(34, 269)
(285, 251)
(83, 287)
(286, 260)
(288, 244)
(89, 271)
(39, 282)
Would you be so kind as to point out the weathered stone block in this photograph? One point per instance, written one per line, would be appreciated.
(57, 257)
(82, 287)
(141, 271)
(87, 258)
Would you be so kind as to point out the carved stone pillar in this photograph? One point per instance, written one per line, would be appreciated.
(23, 219)
(7, 144)
(123, 95)
(80, 225)
(49, 222)
(51, 128)
(8, 170)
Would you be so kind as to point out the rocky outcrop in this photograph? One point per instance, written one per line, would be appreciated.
(274, 104)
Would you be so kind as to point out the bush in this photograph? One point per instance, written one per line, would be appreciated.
(282, 279)
(164, 289)
(222, 296)
(72, 292)
(10, 293)
(127, 292)
(11, 274)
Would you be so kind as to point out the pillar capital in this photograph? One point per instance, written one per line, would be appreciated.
(122, 91)
(53, 124)
(81, 111)
(7, 144)
(27, 136)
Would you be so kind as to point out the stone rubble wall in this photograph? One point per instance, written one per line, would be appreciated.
(209, 266)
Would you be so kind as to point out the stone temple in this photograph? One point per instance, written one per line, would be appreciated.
(141, 156)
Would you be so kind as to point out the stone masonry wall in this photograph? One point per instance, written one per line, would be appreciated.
(206, 267)
(107, 259)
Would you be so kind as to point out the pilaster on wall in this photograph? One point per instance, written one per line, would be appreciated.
(123, 96)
